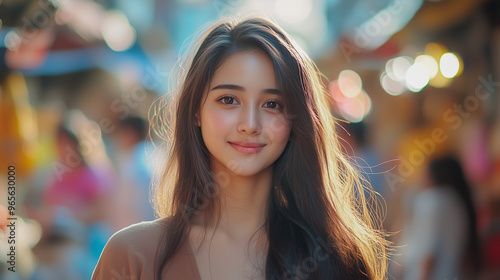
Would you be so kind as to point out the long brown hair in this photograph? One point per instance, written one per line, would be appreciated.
(318, 224)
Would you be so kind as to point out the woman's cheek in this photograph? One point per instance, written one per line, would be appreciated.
(278, 123)
(220, 120)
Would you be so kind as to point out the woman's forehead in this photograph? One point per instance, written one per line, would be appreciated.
(251, 68)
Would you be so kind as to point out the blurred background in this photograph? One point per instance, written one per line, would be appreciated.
(414, 84)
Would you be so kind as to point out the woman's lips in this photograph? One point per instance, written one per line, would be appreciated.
(246, 147)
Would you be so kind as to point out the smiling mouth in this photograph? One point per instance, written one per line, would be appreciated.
(247, 148)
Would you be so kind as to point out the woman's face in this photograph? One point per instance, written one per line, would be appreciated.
(242, 119)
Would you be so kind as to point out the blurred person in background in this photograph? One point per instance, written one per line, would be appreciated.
(75, 185)
(72, 212)
(442, 236)
(134, 165)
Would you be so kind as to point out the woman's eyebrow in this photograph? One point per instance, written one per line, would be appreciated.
(240, 88)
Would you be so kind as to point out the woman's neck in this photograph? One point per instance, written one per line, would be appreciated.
(244, 201)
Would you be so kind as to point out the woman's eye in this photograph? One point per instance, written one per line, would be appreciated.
(273, 105)
(227, 100)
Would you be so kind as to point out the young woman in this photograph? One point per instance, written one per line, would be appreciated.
(256, 186)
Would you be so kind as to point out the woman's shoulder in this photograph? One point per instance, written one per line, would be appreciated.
(140, 234)
(131, 251)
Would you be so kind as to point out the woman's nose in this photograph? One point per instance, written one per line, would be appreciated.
(249, 120)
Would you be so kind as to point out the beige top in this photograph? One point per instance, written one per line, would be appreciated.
(130, 255)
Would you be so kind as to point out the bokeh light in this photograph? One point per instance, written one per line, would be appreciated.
(352, 110)
(400, 65)
(403, 72)
(417, 77)
(390, 85)
(118, 34)
(389, 69)
(347, 93)
(357, 108)
(350, 83)
(335, 92)
(367, 102)
(435, 50)
(430, 63)
(449, 65)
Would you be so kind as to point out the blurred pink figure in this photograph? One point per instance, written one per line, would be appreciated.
(74, 184)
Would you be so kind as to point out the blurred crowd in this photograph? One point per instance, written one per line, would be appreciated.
(75, 185)
(442, 221)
